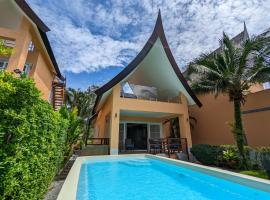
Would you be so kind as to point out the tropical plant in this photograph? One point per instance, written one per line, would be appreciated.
(84, 102)
(71, 97)
(230, 158)
(4, 51)
(233, 71)
(73, 131)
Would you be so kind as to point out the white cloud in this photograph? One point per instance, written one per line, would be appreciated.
(89, 36)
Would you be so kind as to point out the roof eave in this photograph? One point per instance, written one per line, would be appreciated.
(32, 15)
(51, 54)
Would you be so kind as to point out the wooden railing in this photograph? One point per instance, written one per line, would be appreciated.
(169, 145)
(98, 141)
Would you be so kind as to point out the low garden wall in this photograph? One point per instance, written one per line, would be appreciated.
(94, 150)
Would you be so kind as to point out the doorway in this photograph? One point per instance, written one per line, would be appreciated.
(137, 134)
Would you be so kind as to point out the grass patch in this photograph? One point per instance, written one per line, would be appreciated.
(257, 173)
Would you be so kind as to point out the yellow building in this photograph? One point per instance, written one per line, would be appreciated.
(23, 31)
(136, 104)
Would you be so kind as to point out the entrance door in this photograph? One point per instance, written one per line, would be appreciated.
(137, 133)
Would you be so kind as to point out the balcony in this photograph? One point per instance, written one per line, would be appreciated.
(141, 92)
(148, 99)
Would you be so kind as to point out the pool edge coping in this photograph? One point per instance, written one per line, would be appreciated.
(242, 179)
(69, 188)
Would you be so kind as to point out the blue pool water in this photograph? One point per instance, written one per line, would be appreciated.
(140, 178)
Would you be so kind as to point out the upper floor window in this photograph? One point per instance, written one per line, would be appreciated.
(27, 68)
(266, 85)
(31, 47)
(3, 64)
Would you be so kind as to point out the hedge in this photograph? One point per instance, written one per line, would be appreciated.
(32, 140)
(206, 154)
(228, 156)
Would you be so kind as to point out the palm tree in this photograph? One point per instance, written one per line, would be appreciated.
(83, 101)
(71, 98)
(233, 71)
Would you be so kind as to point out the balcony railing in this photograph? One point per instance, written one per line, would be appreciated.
(147, 93)
(168, 100)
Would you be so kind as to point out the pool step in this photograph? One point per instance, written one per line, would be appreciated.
(137, 163)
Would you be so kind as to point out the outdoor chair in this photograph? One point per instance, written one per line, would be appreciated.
(129, 144)
(155, 145)
(173, 145)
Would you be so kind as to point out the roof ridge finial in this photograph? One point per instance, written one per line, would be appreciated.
(159, 13)
(246, 35)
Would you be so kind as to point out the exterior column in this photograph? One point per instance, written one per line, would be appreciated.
(19, 55)
(115, 116)
(184, 122)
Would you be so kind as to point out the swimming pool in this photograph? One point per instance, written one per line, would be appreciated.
(151, 177)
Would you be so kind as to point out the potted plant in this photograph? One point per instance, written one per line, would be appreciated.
(230, 158)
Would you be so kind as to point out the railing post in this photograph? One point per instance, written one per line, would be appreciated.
(186, 147)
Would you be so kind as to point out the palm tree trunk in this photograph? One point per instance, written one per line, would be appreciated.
(239, 131)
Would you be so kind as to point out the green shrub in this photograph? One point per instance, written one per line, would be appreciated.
(32, 140)
(206, 154)
(222, 155)
(229, 157)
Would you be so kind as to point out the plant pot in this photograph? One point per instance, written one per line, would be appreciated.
(231, 164)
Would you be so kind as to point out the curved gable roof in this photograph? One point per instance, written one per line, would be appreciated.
(157, 33)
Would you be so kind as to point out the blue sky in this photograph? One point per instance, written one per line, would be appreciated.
(94, 39)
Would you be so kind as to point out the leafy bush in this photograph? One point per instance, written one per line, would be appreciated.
(229, 157)
(32, 140)
(222, 155)
(4, 51)
(206, 154)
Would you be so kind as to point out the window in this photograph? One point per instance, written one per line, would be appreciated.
(266, 85)
(3, 64)
(154, 131)
(27, 68)
(31, 47)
